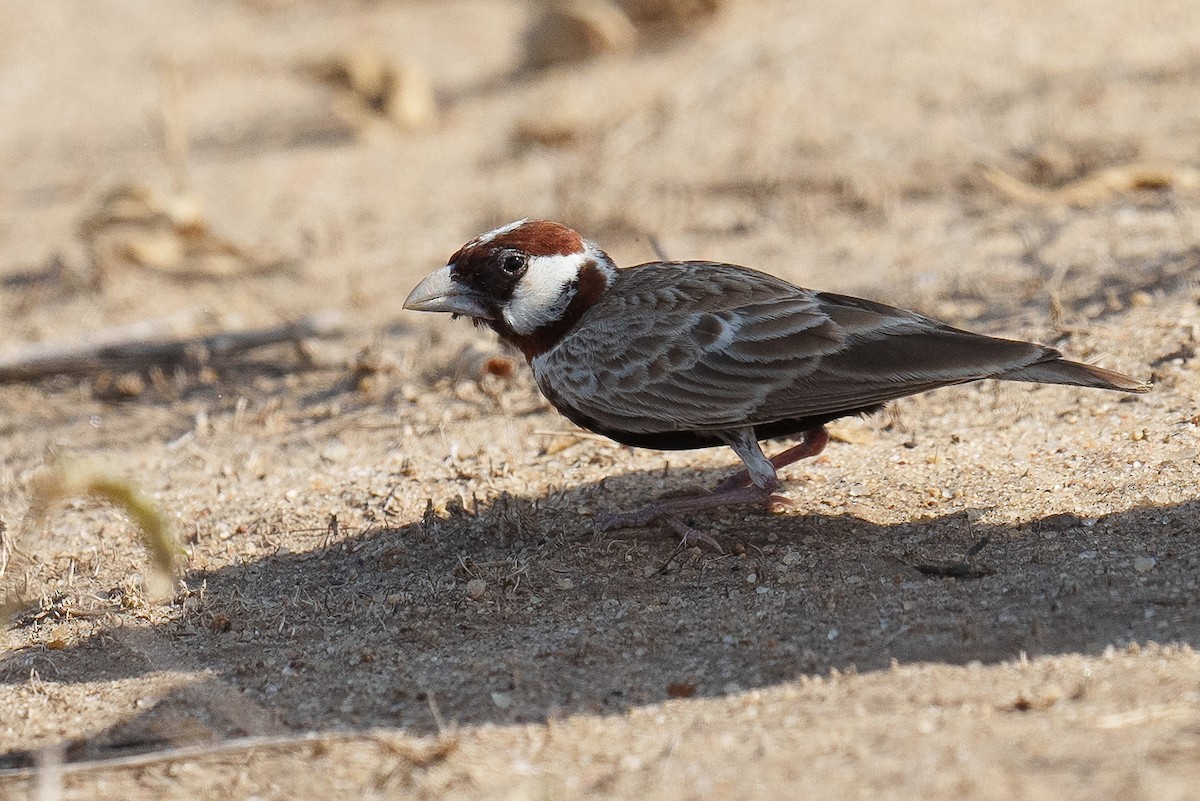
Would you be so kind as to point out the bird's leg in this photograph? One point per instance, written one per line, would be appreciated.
(815, 440)
(762, 482)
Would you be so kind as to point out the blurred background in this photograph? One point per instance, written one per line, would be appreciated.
(255, 160)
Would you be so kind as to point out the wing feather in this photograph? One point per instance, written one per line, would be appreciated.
(704, 346)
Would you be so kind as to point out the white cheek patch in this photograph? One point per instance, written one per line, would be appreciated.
(544, 292)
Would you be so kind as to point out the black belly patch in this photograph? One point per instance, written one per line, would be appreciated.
(689, 440)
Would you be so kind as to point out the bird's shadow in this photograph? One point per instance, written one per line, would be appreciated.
(516, 611)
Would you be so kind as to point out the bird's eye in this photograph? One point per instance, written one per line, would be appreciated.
(513, 263)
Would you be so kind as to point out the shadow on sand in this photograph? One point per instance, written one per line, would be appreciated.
(516, 612)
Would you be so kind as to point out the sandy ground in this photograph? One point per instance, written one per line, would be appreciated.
(460, 632)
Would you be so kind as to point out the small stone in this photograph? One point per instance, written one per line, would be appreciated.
(1144, 564)
(476, 588)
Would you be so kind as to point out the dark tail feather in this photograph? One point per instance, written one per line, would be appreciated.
(1062, 371)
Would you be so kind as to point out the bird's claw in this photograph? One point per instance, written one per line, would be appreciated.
(612, 521)
(670, 511)
(692, 537)
(652, 513)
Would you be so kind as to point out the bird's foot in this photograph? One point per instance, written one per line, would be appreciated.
(649, 514)
(669, 510)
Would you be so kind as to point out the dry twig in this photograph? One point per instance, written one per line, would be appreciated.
(113, 352)
(1098, 187)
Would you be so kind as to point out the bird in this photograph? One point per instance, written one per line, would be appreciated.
(676, 355)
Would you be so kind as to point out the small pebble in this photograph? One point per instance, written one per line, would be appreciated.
(476, 588)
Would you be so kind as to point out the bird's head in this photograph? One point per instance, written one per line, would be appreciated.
(530, 281)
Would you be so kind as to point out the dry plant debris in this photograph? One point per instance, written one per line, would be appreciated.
(670, 13)
(136, 226)
(371, 88)
(547, 131)
(1099, 187)
(576, 30)
(142, 346)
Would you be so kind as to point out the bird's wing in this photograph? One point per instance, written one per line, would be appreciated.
(698, 345)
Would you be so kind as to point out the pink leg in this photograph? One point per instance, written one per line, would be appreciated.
(739, 488)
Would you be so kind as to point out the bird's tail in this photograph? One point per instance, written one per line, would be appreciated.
(1063, 371)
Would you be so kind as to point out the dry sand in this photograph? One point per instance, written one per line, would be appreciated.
(461, 632)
